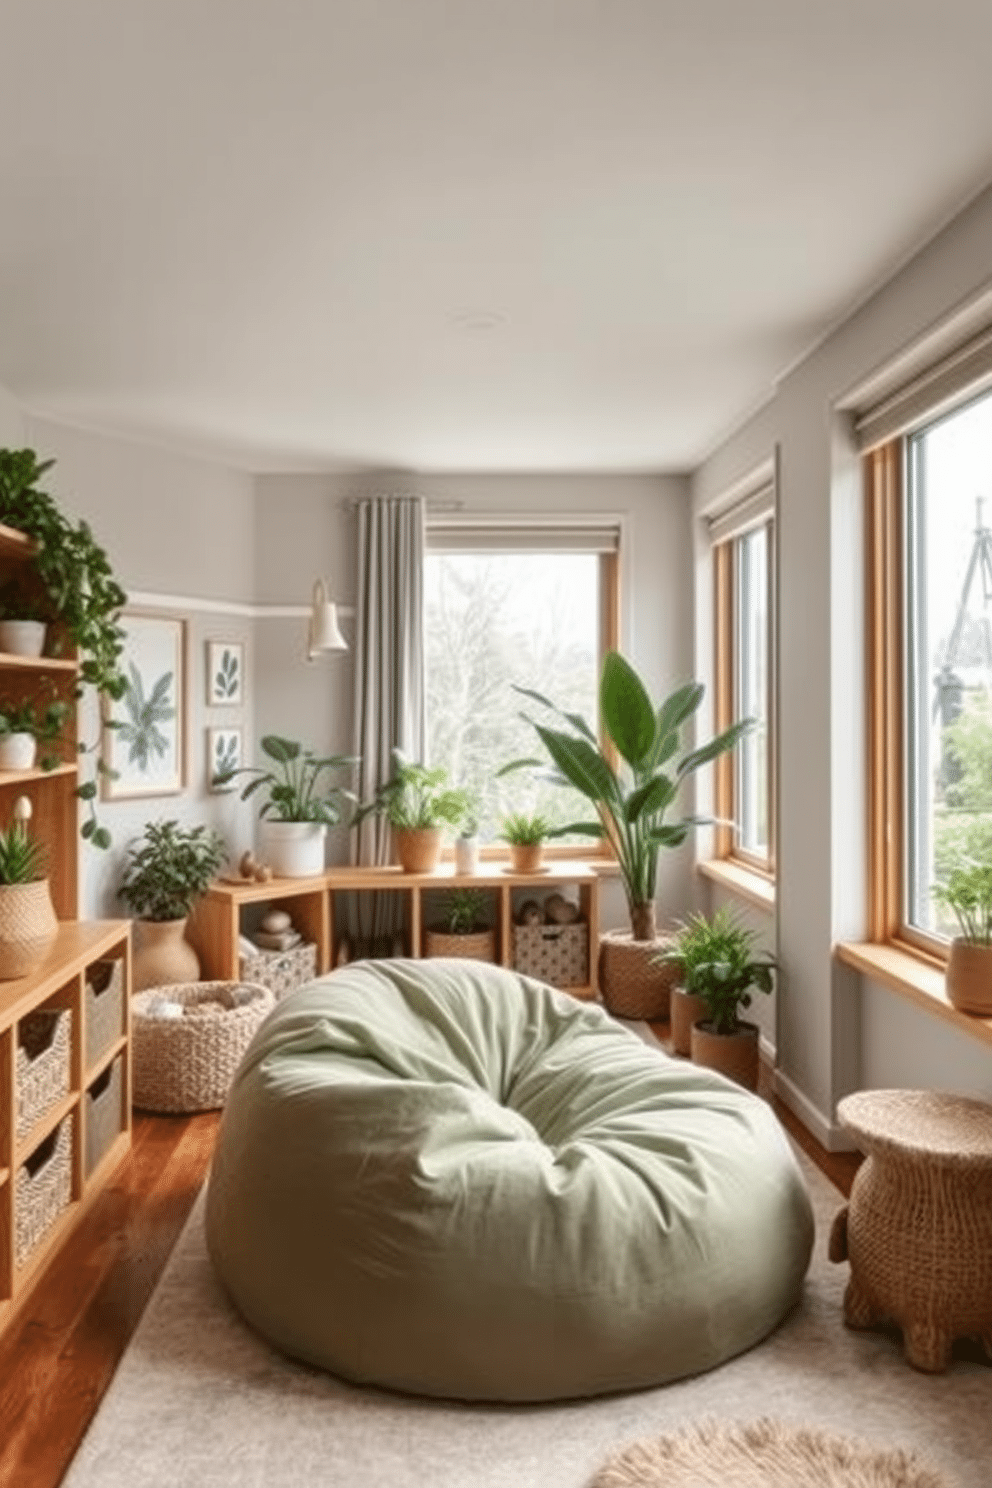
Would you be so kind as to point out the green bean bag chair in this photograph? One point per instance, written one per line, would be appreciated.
(447, 1178)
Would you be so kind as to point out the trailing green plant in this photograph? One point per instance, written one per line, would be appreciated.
(80, 589)
(718, 961)
(968, 895)
(169, 869)
(298, 784)
(418, 797)
(633, 799)
(522, 829)
(463, 910)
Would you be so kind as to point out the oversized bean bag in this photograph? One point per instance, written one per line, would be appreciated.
(447, 1178)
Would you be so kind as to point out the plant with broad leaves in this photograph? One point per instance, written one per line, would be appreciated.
(718, 961)
(169, 869)
(417, 797)
(299, 784)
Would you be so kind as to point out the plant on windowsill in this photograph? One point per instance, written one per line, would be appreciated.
(464, 932)
(526, 833)
(631, 802)
(301, 801)
(968, 894)
(165, 872)
(28, 925)
(418, 803)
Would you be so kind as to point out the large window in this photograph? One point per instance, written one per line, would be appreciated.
(507, 608)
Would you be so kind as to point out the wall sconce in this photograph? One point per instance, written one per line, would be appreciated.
(323, 631)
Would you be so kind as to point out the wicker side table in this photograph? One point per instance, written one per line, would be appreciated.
(918, 1228)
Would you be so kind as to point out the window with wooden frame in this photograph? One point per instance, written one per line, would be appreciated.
(533, 603)
(929, 542)
(743, 538)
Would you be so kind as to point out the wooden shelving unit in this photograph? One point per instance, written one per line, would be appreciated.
(60, 983)
(216, 924)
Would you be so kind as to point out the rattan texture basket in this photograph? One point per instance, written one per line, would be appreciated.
(42, 1190)
(104, 1118)
(104, 1008)
(43, 1045)
(187, 1063)
(632, 985)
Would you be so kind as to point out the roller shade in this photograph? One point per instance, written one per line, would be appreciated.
(519, 534)
(743, 515)
(953, 379)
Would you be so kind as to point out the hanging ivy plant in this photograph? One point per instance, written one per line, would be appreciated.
(79, 583)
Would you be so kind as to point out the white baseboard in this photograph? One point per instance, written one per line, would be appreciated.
(829, 1135)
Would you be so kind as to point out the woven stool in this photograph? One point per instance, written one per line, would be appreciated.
(918, 1228)
(187, 1062)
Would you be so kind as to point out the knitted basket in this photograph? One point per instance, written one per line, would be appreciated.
(44, 1189)
(187, 1062)
(42, 1064)
(476, 945)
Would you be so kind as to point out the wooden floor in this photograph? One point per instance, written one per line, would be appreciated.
(59, 1354)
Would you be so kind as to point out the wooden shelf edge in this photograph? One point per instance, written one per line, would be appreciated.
(44, 1128)
(105, 1060)
(4, 1175)
(919, 981)
(22, 777)
(13, 663)
(16, 544)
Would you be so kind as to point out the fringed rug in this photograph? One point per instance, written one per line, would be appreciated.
(764, 1454)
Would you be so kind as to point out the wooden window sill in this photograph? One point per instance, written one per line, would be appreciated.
(754, 887)
(913, 977)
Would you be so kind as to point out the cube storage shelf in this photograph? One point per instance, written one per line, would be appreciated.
(216, 923)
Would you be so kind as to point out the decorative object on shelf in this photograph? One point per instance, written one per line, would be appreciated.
(530, 913)
(301, 802)
(23, 726)
(28, 925)
(467, 842)
(188, 1041)
(525, 832)
(323, 632)
(968, 894)
(276, 932)
(418, 803)
(144, 738)
(225, 674)
(223, 757)
(164, 874)
(631, 803)
(464, 933)
(23, 637)
(80, 589)
(560, 911)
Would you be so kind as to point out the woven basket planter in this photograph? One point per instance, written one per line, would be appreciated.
(44, 1190)
(478, 945)
(28, 927)
(43, 1044)
(630, 984)
(187, 1063)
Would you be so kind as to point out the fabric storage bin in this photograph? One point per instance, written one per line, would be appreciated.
(43, 1190)
(43, 1054)
(558, 954)
(281, 971)
(104, 1113)
(104, 1008)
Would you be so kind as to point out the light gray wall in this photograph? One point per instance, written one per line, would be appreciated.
(829, 1021)
(11, 421)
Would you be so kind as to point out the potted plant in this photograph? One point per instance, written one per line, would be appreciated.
(632, 800)
(464, 932)
(525, 832)
(23, 621)
(418, 803)
(721, 966)
(691, 949)
(164, 873)
(467, 843)
(28, 925)
(968, 894)
(77, 588)
(301, 802)
(23, 726)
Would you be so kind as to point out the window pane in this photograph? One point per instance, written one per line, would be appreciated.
(948, 656)
(751, 674)
(492, 620)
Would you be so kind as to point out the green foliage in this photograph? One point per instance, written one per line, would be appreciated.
(44, 721)
(632, 801)
(968, 756)
(525, 830)
(418, 797)
(463, 910)
(968, 894)
(718, 961)
(170, 868)
(299, 788)
(22, 860)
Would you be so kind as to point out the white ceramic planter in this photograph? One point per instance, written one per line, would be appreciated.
(293, 849)
(22, 637)
(466, 854)
(18, 751)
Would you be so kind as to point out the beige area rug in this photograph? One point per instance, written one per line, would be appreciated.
(198, 1400)
(764, 1454)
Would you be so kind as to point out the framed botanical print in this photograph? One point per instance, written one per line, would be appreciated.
(223, 754)
(225, 674)
(144, 736)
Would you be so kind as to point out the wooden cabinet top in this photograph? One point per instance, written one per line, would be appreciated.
(489, 875)
(78, 944)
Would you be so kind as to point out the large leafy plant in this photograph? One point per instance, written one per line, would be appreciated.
(633, 799)
(169, 868)
(298, 783)
(718, 961)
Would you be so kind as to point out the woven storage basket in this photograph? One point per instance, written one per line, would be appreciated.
(630, 984)
(104, 1114)
(479, 945)
(281, 971)
(43, 1190)
(104, 1007)
(187, 1063)
(557, 954)
(43, 1043)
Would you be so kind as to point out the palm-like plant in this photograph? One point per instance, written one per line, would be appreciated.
(632, 800)
(718, 961)
(299, 789)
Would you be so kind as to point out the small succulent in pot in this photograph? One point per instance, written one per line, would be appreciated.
(169, 868)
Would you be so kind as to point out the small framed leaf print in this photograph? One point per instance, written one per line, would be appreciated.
(223, 755)
(225, 674)
(144, 735)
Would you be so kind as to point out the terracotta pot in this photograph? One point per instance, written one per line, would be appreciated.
(28, 927)
(526, 857)
(686, 1008)
(293, 849)
(969, 977)
(18, 751)
(418, 848)
(477, 945)
(732, 1054)
(22, 637)
(163, 955)
(630, 983)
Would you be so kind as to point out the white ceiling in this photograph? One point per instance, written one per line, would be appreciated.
(462, 234)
